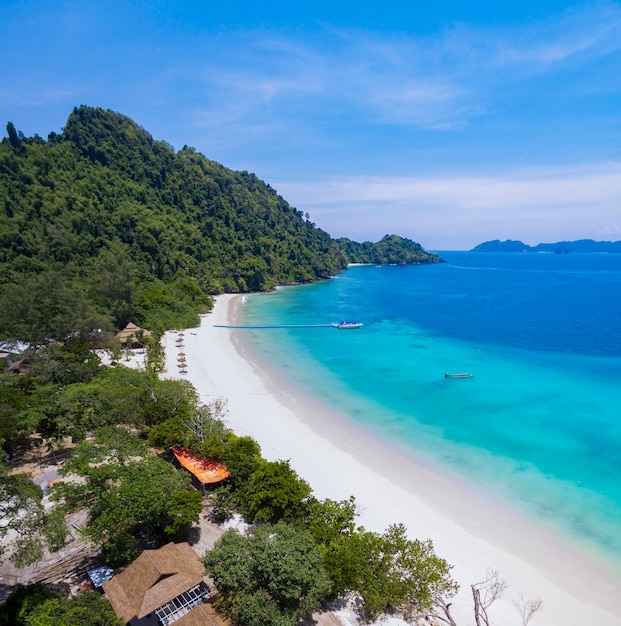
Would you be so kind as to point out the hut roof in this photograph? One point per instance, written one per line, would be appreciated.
(131, 332)
(196, 617)
(153, 579)
(19, 367)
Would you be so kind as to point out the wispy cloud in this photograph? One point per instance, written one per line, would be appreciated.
(438, 82)
(577, 35)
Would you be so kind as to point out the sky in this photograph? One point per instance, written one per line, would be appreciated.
(450, 124)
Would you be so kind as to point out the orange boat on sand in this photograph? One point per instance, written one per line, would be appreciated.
(206, 470)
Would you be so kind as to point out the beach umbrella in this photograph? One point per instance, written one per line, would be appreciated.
(183, 364)
(181, 353)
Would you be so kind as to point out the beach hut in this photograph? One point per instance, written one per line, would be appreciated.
(166, 583)
(19, 367)
(131, 336)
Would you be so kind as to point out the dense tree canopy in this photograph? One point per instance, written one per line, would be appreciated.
(390, 570)
(36, 605)
(124, 485)
(102, 224)
(272, 492)
(272, 577)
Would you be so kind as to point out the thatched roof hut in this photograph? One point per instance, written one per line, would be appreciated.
(154, 580)
(131, 336)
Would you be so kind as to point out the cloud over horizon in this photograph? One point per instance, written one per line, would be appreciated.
(513, 205)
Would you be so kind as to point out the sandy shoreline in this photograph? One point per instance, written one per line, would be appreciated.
(338, 459)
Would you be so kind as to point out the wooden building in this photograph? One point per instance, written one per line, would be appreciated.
(161, 587)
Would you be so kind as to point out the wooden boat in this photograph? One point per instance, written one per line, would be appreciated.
(464, 375)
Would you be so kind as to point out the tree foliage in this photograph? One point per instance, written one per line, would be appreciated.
(273, 492)
(86, 608)
(22, 600)
(391, 249)
(389, 571)
(124, 485)
(101, 224)
(274, 576)
(25, 522)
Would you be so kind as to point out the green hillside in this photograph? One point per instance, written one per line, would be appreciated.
(102, 224)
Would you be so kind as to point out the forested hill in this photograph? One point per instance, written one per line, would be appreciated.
(102, 224)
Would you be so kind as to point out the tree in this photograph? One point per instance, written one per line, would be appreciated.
(528, 608)
(484, 594)
(69, 363)
(273, 492)
(14, 138)
(24, 515)
(47, 306)
(242, 457)
(20, 410)
(329, 520)
(272, 577)
(115, 283)
(124, 485)
(86, 608)
(123, 395)
(205, 422)
(389, 571)
(185, 508)
(21, 602)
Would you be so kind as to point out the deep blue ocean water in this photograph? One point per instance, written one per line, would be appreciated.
(538, 426)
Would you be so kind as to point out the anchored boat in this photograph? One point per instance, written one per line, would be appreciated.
(348, 325)
(464, 375)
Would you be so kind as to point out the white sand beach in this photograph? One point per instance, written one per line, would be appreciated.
(468, 528)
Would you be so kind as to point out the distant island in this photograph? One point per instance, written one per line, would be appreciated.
(561, 247)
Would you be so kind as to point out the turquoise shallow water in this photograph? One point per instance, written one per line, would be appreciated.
(539, 425)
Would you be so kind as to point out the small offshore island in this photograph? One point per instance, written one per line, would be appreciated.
(561, 247)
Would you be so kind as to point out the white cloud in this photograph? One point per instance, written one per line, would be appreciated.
(533, 205)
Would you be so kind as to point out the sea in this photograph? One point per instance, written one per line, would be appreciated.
(538, 425)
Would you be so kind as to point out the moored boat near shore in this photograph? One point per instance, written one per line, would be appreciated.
(348, 325)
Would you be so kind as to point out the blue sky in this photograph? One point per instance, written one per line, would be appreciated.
(450, 124)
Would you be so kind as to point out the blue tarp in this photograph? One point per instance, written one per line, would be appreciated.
(99, 575)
